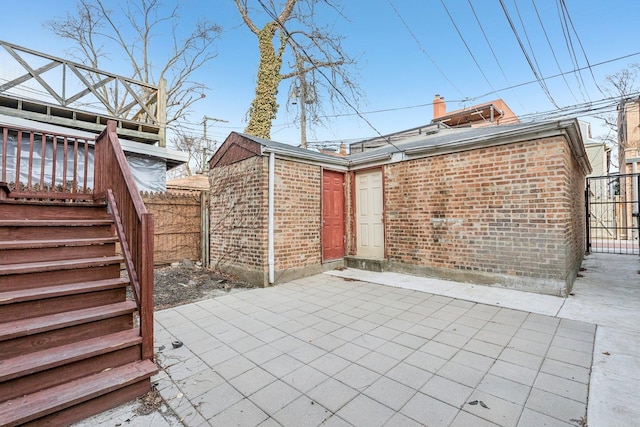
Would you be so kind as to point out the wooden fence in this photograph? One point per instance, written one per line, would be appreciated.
(178, 225)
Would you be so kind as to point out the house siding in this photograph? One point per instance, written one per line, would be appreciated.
(238, 218)
(495, 215)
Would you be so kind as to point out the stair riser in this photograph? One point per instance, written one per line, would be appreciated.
(94, 406)
(61, 374)
(44, 340)
(25, 281)
(16, 256)
(54, 232)
(31, 309)
(35, 212)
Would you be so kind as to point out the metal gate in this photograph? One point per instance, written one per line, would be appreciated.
(612, 205)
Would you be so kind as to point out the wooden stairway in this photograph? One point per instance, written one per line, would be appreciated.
(69, 345)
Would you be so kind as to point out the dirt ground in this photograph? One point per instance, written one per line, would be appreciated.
(186, 282)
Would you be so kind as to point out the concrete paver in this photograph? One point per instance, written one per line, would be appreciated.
(334, 352)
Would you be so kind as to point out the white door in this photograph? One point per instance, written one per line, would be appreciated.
(370, 228)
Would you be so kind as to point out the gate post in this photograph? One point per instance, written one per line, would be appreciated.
(588, 217)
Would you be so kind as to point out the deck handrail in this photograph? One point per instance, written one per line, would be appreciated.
(114, 183)
(38, 164)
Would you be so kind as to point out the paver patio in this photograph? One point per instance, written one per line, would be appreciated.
(328, 351)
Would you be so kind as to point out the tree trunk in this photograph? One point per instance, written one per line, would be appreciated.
(264, 106)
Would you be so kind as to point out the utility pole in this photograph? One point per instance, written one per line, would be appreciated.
(302, 95)
(206, 148)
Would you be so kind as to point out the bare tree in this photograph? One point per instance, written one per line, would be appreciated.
(318, 65)
(624, 86)
(132, 29)
(198, 150)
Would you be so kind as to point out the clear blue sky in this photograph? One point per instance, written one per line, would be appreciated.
(393, 42)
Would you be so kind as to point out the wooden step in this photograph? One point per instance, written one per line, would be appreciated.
(53, 243)
(17, 251)
(20, 328)
(54, 222)
(43, 301)
(14, 282)
(35, 294)
(61, 374)
(40, 404)
(71, 264)
(14, 229)
(18, 209)
(31, 343)
(16, 367)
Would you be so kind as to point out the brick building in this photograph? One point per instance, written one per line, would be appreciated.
(493, 205)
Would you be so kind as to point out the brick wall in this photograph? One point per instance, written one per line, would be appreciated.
(499, 212)
(576, 226)
(297, 215)
(238, 218)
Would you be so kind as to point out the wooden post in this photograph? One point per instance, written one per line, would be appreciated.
(146, 286)
(162, 113)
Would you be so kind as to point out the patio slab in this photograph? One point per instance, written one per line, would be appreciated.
(350, 352)
(345, 351)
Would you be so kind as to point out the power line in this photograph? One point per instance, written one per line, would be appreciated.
(539, 79)
(466, 45)
(486, 38)
(563, 73)
(435, 64)
(564, 6)
(553, 52)
(526, 36)
(572, 54)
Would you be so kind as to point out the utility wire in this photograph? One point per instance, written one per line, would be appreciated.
(466, 45)
(572, 53)
(553, 52)
(486, 38)
(586, 58)
(539, 79)
(435, 64)
(526, 36)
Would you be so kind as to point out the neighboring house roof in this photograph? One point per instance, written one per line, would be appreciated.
(172, 158)
(194, 182)
(495, 112)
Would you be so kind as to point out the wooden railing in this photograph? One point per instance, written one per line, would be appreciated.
(115, 184)
(63, 86)
(37, 164)
(46, 166)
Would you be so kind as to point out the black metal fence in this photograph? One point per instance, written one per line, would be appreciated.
(613, 223)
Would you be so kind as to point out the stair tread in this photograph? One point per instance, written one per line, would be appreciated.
(24, 327)
(35, 405)
(33, 267)
(18, 366)
(54, 222)
(31, 294)
(51, 243)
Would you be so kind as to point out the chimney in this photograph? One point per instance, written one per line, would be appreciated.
(439, 107)
(343, 150)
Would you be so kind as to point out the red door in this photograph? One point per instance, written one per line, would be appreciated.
(332, 215)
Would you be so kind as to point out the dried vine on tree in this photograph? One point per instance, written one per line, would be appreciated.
(312, 48)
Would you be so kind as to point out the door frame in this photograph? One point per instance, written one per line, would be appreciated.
(344, 214)
(353, 241)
